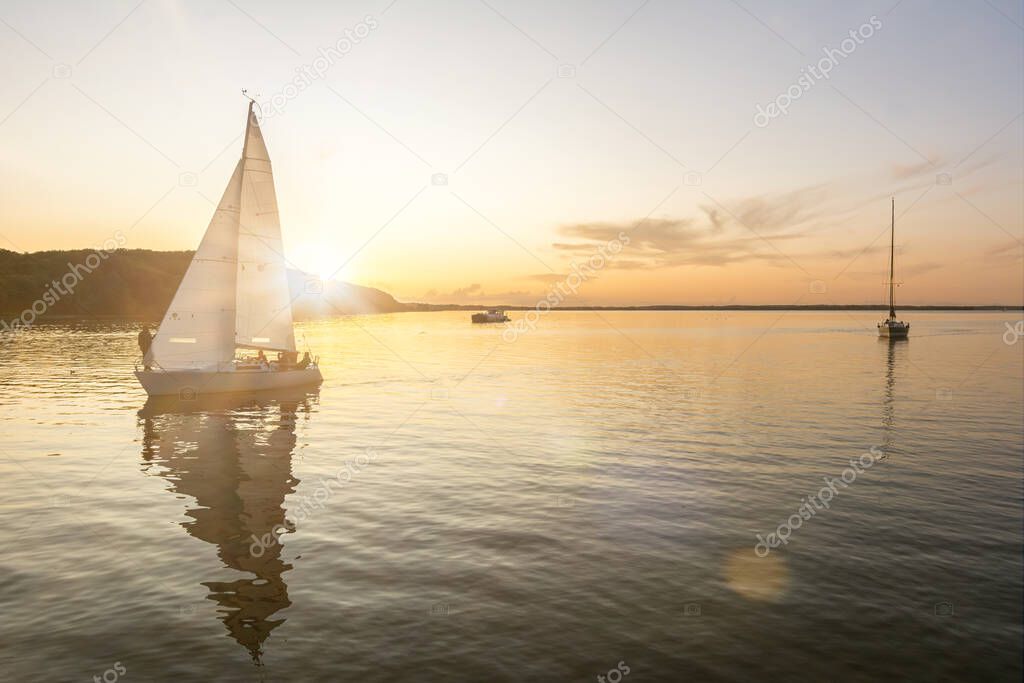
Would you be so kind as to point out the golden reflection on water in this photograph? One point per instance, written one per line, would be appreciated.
(233, 456)
(763, 579)
(889, 396)
(569, 489)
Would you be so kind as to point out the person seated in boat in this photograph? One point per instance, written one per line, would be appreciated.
(145, 344)
(286, 359)
(304, 363)
(261, 358)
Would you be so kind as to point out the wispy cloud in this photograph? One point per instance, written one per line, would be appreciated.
(907, 171)
(1009, 251)
(477, 293)
(721, 233)
(920, 268)
(782, 212)
(855, 251)
(545, 277)
(468, 290)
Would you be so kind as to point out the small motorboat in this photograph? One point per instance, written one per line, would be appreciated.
(493, 315)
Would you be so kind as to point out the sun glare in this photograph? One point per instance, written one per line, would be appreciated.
(317, 259)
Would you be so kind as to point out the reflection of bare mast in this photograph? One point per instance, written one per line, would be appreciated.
(236, 464)
(889, 402)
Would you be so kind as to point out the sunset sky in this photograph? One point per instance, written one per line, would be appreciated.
(557, 125)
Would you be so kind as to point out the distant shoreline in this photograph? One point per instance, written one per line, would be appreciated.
(731, 307)
(438, 308)
(139, 284)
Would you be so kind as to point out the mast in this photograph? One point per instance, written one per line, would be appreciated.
(892, 258)
(248, 121)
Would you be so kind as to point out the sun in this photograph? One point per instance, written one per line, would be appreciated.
(317, 260)
(326, 273)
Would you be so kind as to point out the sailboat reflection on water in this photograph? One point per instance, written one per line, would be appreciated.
(231, 456)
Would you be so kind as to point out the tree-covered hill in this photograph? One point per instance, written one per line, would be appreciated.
(140, 283)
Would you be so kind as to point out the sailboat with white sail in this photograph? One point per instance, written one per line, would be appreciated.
(891, 327)
(233, 296)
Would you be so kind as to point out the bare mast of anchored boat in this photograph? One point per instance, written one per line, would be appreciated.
(892, 261)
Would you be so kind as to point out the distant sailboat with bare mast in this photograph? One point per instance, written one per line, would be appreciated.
(234, 295)
(891, 327)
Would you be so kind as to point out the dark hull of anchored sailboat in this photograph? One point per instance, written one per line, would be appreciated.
(893, 329)
(188, 384)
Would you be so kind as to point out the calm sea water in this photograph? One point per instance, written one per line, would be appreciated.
(580, 502)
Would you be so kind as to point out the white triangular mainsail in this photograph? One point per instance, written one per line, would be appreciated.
(263, 312)
(198, 330)
(235, 291)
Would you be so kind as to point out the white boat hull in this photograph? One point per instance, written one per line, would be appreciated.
(189, 384)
